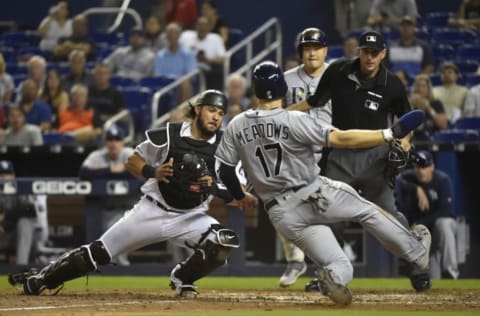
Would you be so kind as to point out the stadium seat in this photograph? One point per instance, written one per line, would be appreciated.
(443, 52)
(437, 19)
(468, 52)
(25, 53)
(56, 138)
(120, 81)
(16, 69)
(61, 67)
(424, 35)
(104, 39)
(234, 36)
(138, 102)
(453, 37)
(18, 78)
(156, 82)
(468, 123)
(9, 54)
(467, 66)
(472, 80)
(20, 39)
(456, 136)
(391, 36)
(104, 52)
(335, 52)
(435, 79)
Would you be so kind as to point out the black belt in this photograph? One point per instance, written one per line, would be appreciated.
(274, 202)
(160, 205)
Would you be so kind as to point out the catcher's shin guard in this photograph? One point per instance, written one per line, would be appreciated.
(73, 264)
(206, 258)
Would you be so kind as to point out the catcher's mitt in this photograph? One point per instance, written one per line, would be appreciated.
(397, 160)
(192, 174)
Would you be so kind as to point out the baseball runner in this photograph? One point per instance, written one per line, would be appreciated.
(275, 148)
(365, 95)
(178, 163)
(302, 82)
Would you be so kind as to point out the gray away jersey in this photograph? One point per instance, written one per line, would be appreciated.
(275, 147)
(300, 86)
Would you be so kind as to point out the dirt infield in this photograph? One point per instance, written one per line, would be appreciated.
(139, 302)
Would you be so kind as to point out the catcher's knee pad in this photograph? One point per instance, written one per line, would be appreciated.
(214, 248)
(75, 263)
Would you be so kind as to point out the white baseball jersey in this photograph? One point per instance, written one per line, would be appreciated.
(275, 147)
(301, 86)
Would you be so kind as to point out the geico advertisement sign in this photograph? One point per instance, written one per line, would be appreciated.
(61, 187)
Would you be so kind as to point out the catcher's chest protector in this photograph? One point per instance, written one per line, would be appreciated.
(178, 147)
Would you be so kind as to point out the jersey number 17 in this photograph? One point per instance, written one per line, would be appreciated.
(260, 152)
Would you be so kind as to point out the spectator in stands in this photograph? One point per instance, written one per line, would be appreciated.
(216, 23)
(468, 15)
(425, 196)
(54, 95)
(182, 11)
(108, 162)
(77, 119)
(20, 218)
(154, 38)
(175, 60)
(78, 71)
(409, 53)
(37, 71)
(291, 62)
(177, 115)
(55, 26)
(237, 90)
(404, 78)
(19, 132)
(133, 61)
(387, 14)
(210, 52)
(450, 93)
(350, 15)
(233, 110)
(37, 112)
(422, 98)
(6, 84)
(350, 47)
(472, 102)
(79, 40)
(105, 99)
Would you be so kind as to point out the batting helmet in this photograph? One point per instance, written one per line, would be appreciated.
(311, 35)
(214, 98)
(268, 81)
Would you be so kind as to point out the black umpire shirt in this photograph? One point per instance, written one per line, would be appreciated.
(359, 102)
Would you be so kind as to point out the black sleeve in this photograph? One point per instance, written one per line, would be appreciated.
(229, 178)
(119, 100)
(224, 195)
(323, 93)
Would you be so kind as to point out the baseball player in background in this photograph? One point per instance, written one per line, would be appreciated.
(275, 148)
(364, 94)
(301, 83)
(178, 164)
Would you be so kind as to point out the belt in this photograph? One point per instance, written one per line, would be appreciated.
(274, 202)
(160, 205)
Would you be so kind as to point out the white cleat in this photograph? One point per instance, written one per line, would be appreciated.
(292, 272)
(423, 233)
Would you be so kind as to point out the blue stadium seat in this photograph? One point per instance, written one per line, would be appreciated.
(468, 52)
(56, 138)
(234, 36)
(120, 81)
(16, 69)
(25, 53)
(424, 35)
(61, 67)
(453, 37)
(437, 19)
(18, 78)
(9, 54)
(468, 123)
(104, 52)
(20, 39)
(457, 136)
(156, 82)
(443, 52)
(472, 80)
(138, 102)
(435, 78)
(391, 36)
(467, 66)
(104, 39)
(335, 51)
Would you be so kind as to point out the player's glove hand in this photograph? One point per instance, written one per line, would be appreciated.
(398, 159)
(405, 124)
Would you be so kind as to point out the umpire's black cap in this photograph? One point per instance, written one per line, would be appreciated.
(6, 167)
(372, 39)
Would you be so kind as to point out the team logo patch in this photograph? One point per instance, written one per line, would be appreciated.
(371, 38)
(372, 105)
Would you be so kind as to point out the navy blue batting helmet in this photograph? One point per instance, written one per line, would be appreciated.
(268, 81)
(311, 35)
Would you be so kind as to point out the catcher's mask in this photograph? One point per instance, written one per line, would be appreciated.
(192, 174)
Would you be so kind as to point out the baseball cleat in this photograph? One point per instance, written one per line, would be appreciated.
(338, 293)
(292, 272)
(419, 271)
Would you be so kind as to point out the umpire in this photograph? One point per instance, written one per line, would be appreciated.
(364, 95)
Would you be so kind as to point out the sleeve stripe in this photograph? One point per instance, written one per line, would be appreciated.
(231, 164)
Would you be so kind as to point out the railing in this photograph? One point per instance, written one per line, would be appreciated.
(123, 115)
(121, 13)
(160, 121)
(272, 32)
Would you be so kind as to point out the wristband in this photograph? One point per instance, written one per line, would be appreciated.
(387, 135)
(148, 171)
